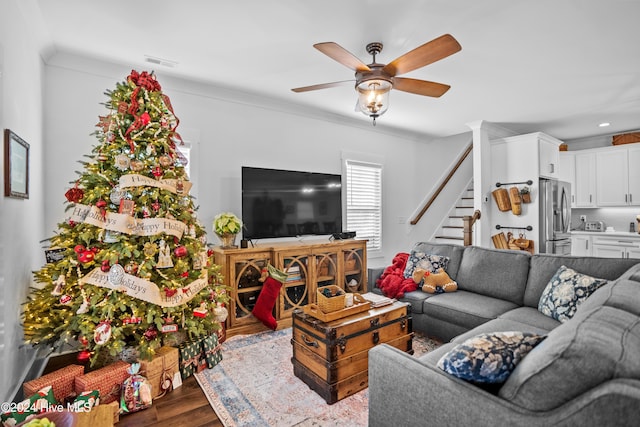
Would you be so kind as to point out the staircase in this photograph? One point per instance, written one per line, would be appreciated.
(452, 227)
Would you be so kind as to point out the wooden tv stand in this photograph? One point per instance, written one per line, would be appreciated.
(310, 265)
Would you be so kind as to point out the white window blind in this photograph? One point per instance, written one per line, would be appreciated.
(364, 201)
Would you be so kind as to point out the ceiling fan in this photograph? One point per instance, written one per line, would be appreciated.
(374, 81)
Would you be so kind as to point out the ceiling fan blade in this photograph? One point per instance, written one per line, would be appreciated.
(321, 86)
(343, 56)
(426, 54)
(420, 87)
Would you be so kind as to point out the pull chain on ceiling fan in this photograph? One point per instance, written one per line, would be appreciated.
(373, 82)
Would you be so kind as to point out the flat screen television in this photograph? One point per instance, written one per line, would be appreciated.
(287, 203)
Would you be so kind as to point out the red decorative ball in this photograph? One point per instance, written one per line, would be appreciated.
(74, 195)
(180, 251)
(86, 256)
(79, 249)
(105, 266)
(84, 341)
(101, 204)
(84, 356)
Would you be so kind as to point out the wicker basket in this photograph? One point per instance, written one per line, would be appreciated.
(335, 303)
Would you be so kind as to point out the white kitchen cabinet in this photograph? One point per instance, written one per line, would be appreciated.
(618, 177)
(580, 245)
(634, 175)
(567, 172)
(585, 164)
(548, 156)
(616, 246)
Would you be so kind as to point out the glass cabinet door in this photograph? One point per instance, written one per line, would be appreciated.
(354, 277)
(326, 269)
(295, 290)
(246, 276)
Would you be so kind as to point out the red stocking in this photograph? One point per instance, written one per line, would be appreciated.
(273, 280)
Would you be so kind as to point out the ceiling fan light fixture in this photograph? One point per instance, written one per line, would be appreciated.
(373, 97)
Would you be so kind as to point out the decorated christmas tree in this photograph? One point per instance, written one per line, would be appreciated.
(129, 267)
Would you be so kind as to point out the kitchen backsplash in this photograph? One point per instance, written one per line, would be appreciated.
(618, 218)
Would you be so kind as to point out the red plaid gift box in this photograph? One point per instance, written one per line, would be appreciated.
(62, 382)
(107, 381)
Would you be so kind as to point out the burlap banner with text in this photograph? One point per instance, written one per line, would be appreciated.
(142, 289)
(127, 224)
(174, 185)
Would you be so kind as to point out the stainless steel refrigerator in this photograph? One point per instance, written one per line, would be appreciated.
(555, 217)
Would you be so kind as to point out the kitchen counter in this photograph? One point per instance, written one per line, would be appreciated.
(605, 233)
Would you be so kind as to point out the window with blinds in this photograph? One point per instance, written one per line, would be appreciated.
(364, 201)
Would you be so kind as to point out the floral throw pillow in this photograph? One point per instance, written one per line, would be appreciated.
(430, 263)
(489, 358)
(566, 290)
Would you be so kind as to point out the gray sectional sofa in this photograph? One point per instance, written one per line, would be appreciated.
(585, 372)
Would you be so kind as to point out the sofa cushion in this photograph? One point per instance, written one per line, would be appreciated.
(576, 357)
(622, 294)
(416, 299)
(426, 261)
(497, 273)
(465, 308)
(453, 252)
(500, 325)
(566, 290)
(490, 357)
(543, 267)
(532, 317)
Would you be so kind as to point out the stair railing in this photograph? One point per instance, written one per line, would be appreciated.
(443, 184)
(467, 226)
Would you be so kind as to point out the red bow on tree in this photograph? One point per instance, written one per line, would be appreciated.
(144, 80)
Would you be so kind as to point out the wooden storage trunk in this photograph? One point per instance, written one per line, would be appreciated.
(332, 357)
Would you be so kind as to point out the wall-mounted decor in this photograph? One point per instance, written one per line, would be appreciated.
(16, 166)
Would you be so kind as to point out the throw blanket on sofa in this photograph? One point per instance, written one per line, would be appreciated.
(392, 282)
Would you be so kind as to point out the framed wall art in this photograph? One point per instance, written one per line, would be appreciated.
(16, 166)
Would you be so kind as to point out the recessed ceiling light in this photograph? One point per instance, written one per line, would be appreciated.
(604, 124)
(159, 61)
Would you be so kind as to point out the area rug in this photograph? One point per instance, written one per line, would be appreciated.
(254, 385)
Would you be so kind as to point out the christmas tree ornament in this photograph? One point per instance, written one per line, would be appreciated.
(165, 161)
(111, 236)
(220, 312)
(164, 256)
(116, 195)
(65, 300)
(110, 136)
(58, 285)
(122, 162)
(156, 206)
(150, 334)
(131, 268)
(102, 333)
(84, 341)
(157, 172)
(150, 150)
(116, 274)
(84, 307)
(150, 249)
(86, 256)
(201, 311)
(84, 356)
(180, 251)
(136, 165)
(78, 249)
(75, 194)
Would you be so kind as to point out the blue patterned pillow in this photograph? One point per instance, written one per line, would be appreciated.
(566, 290)
(489, 358)
(430, 263)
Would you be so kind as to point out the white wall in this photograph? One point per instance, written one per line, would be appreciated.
(231, 129)
(21, 221)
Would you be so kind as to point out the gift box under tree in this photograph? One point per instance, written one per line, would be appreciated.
(190, 357)
(160, 370)
(61, 381)
(211, 350)
(107, 381)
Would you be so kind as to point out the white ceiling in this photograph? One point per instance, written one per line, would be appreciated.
(557, 66)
